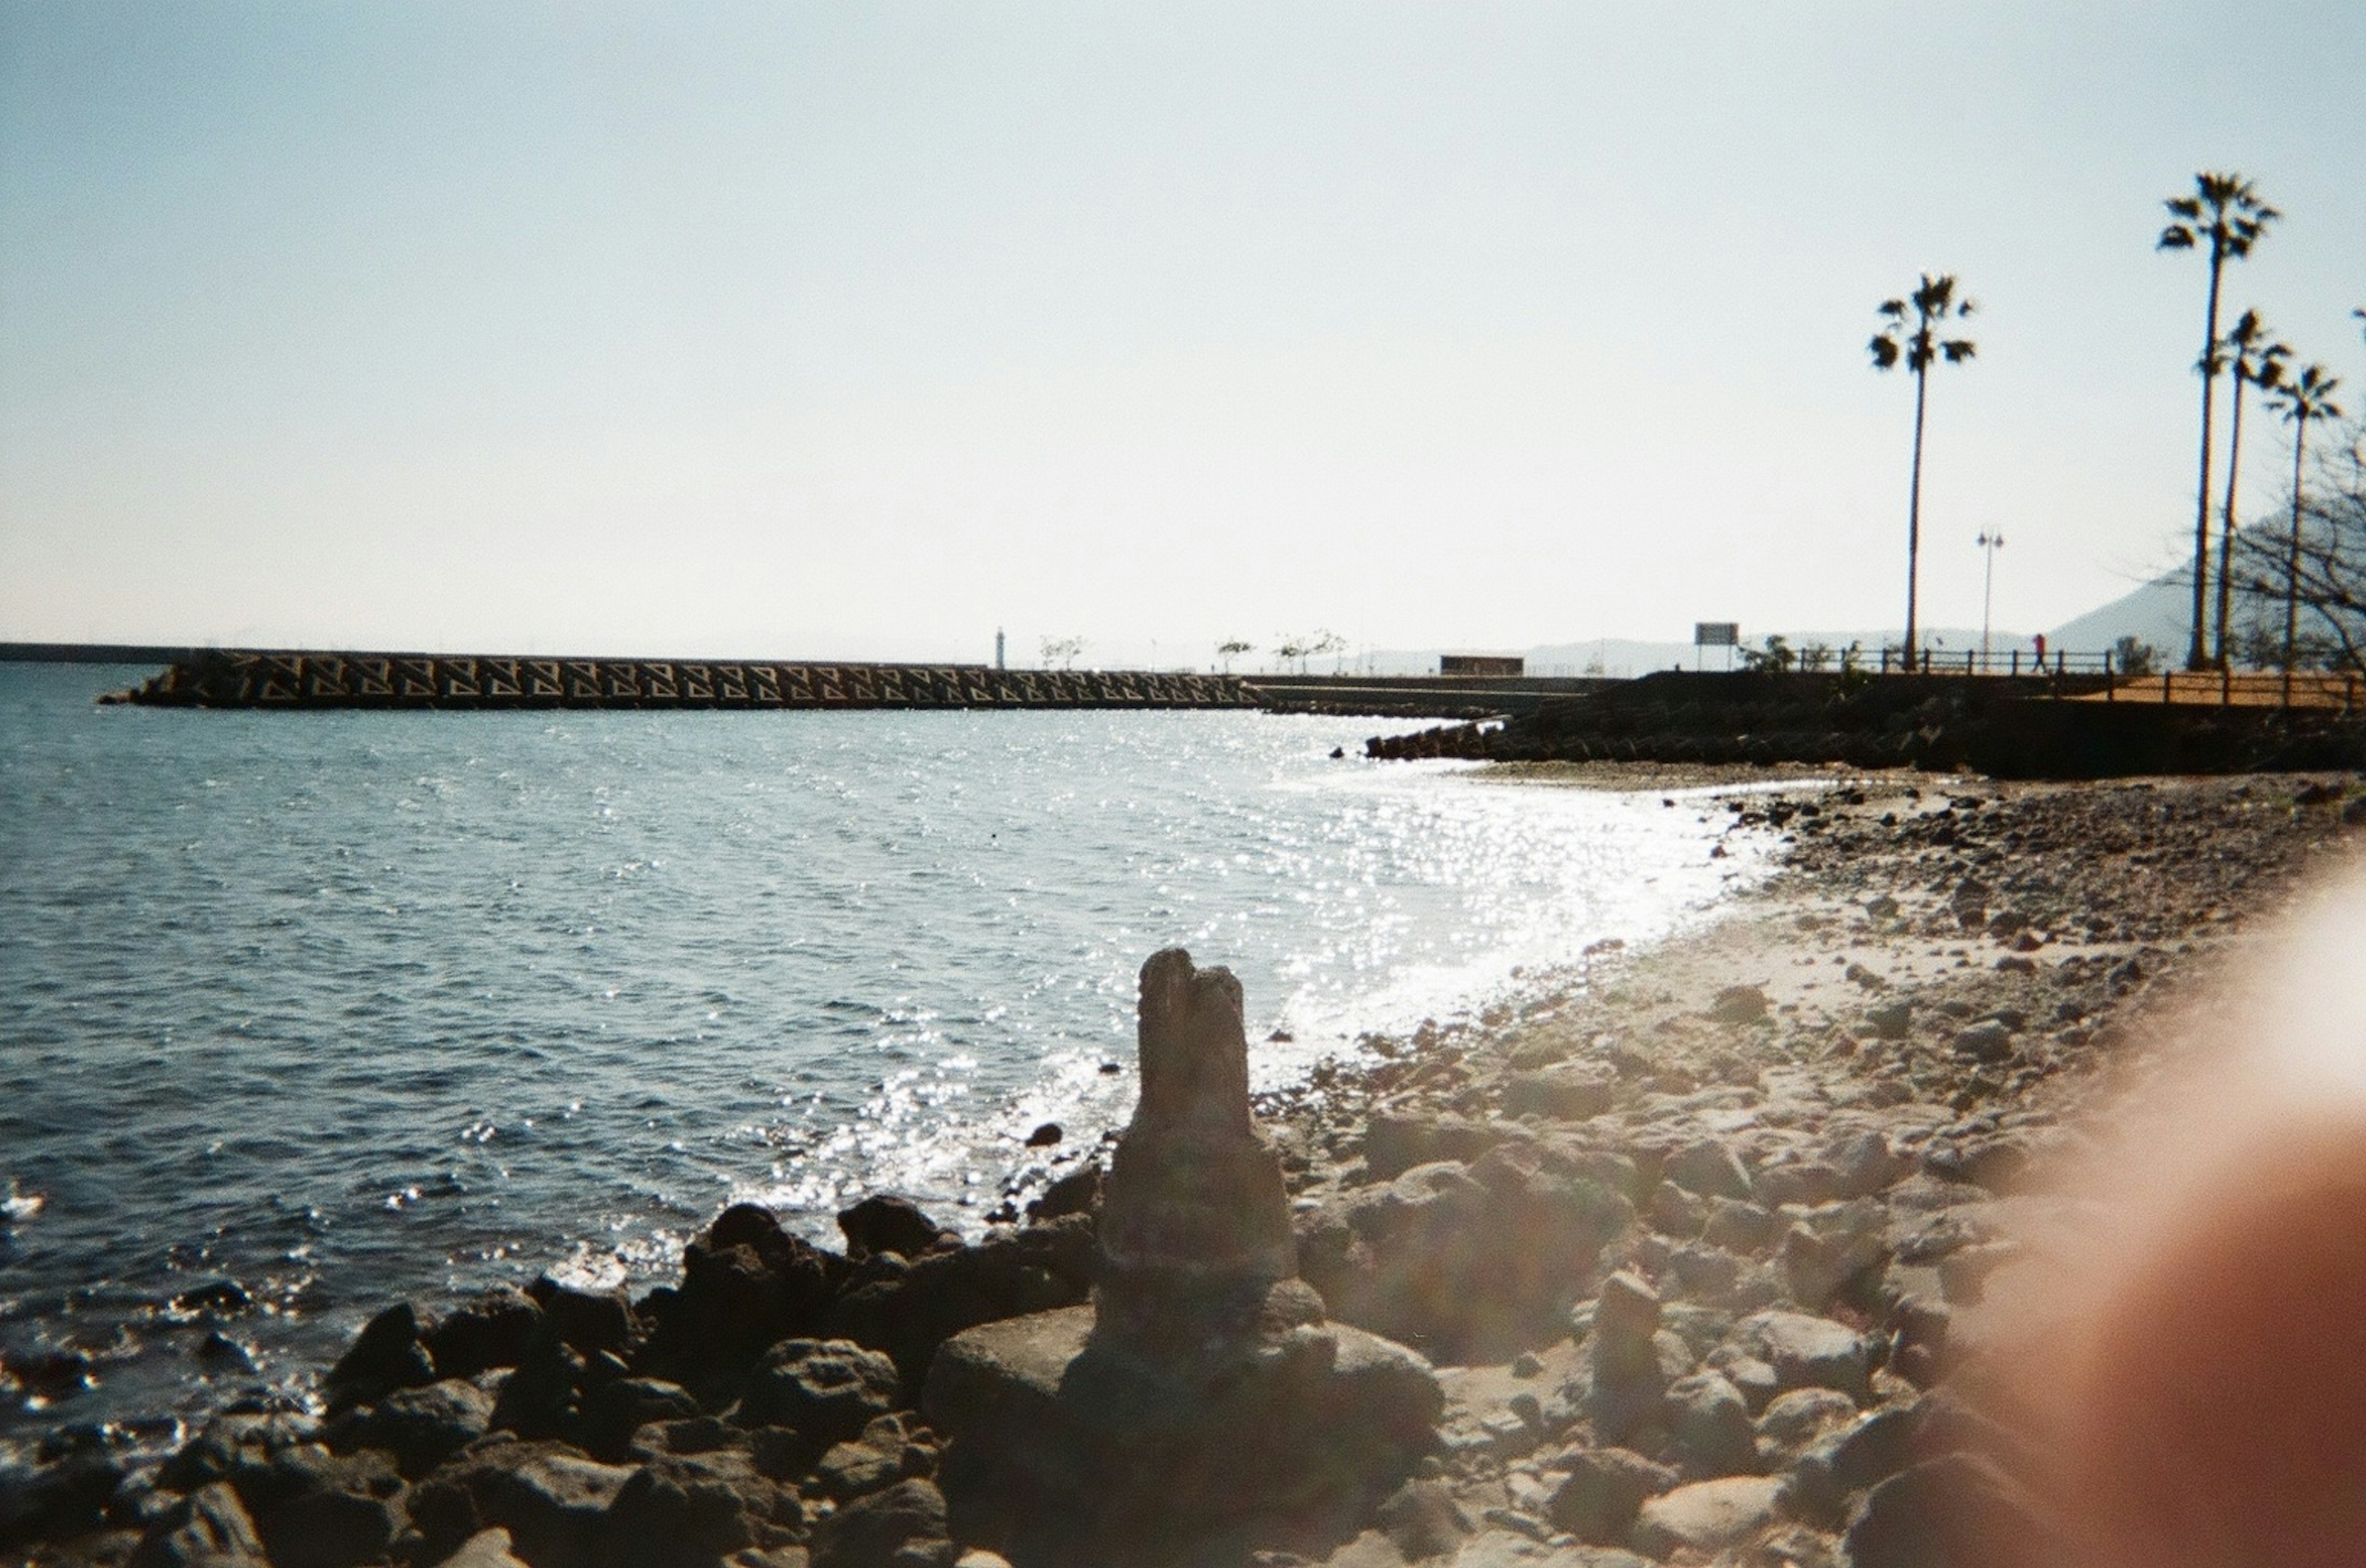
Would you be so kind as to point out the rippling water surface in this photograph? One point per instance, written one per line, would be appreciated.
(342, 1007)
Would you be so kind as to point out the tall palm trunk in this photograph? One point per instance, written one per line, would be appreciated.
(2291, 562)
(2226, 528)
(2196, 656)
(1914, 516)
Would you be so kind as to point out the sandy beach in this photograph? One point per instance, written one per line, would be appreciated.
(1697, 1238)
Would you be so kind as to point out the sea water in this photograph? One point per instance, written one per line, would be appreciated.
(314, 1010)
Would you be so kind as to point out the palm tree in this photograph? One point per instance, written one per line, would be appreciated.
(2306, 396)
(2227, 213)
(1917, 343)
(2252, 359)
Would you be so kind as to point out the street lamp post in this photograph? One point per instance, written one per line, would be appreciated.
(1990, 545)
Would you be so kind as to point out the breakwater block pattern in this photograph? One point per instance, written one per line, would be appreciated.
(226, 679)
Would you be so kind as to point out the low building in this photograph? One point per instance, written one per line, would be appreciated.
(1495, 664)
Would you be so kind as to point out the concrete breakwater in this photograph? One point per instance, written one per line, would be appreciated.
(230, 678)
(2007, 727)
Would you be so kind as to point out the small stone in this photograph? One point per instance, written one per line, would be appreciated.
(1738, 1226)
(1891, 1021)
(1626, 1315)
(1988, 1041)
(1739, 1004)
(1794, 1421)
(1709, 1169)
(1424, 1521)
(1710, 1426)
(1606, 1487)
(1706, 1517)
(1810, 1352)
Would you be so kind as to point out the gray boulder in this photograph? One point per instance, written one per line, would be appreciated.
(209, 1528)
(826, 1390)
(1706, 1517)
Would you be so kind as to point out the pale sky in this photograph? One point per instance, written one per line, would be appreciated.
(808, 330)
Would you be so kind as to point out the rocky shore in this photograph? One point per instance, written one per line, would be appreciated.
(1695, 1239)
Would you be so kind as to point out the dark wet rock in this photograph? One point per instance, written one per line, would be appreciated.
(887, 1451)
(54, 1375)
(1710, 1426)
(1046, 1136)
(747, 1284)
(584, 1320)
(1079, 1192)
(826, 1390)
(553, 1499)
(419, 1427)
(230, 1442)
(1604, 1489)
(615, 1410)
(386, 1356)
(690, 1510)
(221, 1354)
(341, 1525)
(908, 1313)
(224, 1297)
(209, 1528)
(885, 1222)
(489, 1330)
(1705, 1517)
(902, 1527)
(61, 1498)
(1709, 1169)
(543, 1397)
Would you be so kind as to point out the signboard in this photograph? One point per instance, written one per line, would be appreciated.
(1717, 634)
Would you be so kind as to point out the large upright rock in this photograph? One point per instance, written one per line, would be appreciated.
(1203, 1396)
(1196, 1250)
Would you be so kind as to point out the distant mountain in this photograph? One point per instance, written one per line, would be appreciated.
(2159, 612)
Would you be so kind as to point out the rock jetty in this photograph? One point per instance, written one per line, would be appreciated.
(235, 679)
